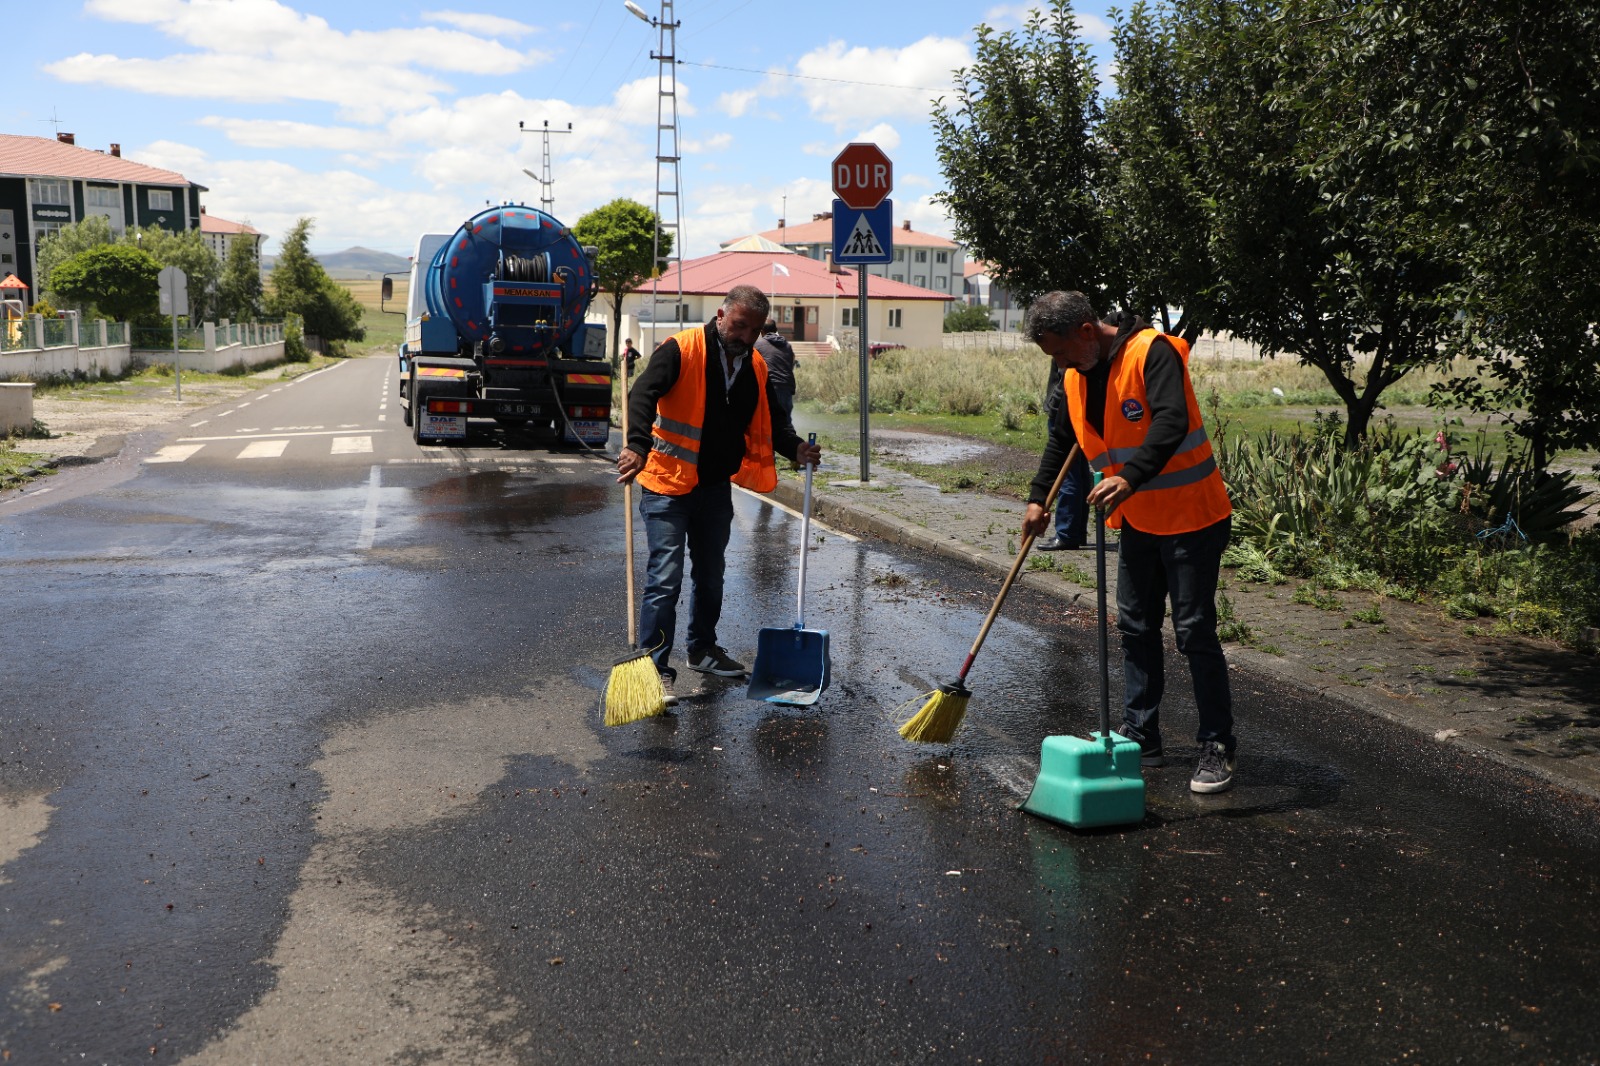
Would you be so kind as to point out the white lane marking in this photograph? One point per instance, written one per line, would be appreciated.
(242, 406)
(383, 418)
(197, 425)
(263, 449)
(317, 433)
(351, 445)
(249, 429)
(369, 517)
(174, 453)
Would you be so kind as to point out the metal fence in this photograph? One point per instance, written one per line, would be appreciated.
(159, 338)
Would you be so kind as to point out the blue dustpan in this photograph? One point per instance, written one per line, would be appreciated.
(792, 665)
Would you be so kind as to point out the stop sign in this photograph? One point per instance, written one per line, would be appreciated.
(862, 176)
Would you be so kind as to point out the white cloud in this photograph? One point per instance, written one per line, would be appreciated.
(281, 133)
(715, 143)
(483, 25)
(735, 104)
(1092, 28)
(883, 135)
(903, 80)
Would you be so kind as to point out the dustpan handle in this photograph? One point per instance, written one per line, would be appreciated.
(805, 544)
(1100, 603)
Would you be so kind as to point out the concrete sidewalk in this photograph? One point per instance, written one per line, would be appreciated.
(1526, 703)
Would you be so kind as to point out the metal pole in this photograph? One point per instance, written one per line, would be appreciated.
(861, 348)
(177, 365)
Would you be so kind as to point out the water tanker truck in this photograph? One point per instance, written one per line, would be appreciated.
(495, 331)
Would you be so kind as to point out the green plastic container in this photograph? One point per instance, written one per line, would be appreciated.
(1087, 782)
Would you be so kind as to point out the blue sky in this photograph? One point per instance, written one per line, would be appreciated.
(382, 120)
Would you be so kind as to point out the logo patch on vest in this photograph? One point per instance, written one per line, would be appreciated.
(1132, 410)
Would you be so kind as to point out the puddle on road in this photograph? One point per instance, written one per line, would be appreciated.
(927, 448)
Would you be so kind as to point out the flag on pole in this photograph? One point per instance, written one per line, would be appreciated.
(779, 268)
(838, 283)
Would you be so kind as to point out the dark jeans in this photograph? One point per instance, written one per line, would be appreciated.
(699, 520)
(1072, 506)
(1183, 567)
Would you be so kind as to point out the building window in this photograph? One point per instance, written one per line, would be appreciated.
(922, 255)
(941, 257)
(941, 282)
(41, 230)
(894, 318)
(899, 255)
(102, 196)
(53, 191)
(161, 199)
(920, 281)
(900, 277)
(848, 316)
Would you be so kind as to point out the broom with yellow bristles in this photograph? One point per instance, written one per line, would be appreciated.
(944, 707)
(634, 689)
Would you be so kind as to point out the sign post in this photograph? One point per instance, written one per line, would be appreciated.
(863, 234)
(174, 291)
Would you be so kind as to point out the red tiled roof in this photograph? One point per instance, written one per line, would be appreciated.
(714, 275)
(212, 224)
(821, 232)
(40, 157)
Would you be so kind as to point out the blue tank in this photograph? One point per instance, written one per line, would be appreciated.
(513, 280)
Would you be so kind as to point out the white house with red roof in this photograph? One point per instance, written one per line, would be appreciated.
(982, 290)
(47, 184)
(810, 303)
(921, 259)
(221, 234)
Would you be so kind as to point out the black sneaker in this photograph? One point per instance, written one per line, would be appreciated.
(713, 660)
(1149, 752)
(1055, 544)
(668, 677)
(1215, 770)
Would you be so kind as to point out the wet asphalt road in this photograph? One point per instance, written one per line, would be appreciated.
(300, 761)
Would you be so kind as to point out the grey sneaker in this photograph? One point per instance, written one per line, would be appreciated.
(713, 660)
(668, 678)
(1215, 770)
(1149, 751)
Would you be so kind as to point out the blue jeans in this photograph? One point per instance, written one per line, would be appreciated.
(1183, 567)
(699, 520)
(1072, 506)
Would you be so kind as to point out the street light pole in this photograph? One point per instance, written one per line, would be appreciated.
(668, 157)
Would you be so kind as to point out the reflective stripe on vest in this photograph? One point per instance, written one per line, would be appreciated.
(1188, 493)
(673, 466)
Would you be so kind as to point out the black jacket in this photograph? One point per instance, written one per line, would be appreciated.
(1169, 414)
(728, 410)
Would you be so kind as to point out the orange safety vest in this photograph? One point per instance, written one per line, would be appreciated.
(673, 466)
(1188, 493)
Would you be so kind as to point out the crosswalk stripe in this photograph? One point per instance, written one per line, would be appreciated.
(174, 453)
(263, 449)
(351, 445)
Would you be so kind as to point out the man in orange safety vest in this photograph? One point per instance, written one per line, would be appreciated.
(1133, 410)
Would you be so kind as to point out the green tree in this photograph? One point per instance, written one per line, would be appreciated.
(1157, 230)
(1021, 161)
(300, 286)
(624, 232)
(1497, 100)
(188, 252)
(120, 281)
(68, 241)
(239, 291)
(968, 319)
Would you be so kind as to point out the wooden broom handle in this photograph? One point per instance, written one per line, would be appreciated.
(627, 511)
(1016, 567)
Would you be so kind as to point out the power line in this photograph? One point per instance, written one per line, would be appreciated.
(814, 77)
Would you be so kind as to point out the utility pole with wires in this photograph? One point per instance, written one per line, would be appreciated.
(547, 201)
(668, 157)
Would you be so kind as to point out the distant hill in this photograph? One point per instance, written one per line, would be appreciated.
(353, 263)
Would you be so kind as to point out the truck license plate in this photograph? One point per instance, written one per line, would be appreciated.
(443, 425)
(590, 431)
(522, 409)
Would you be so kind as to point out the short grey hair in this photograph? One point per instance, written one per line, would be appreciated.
(749, 298)
(1057, 312)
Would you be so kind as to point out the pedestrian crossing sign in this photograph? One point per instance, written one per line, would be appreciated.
(860, 236)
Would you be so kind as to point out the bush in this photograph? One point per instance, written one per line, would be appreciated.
(294, 344)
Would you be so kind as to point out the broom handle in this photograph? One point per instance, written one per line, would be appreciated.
(1016, 567)
(627, 517)
(805, 542)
